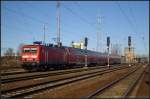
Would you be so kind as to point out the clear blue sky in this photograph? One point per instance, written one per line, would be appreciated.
(22, 22)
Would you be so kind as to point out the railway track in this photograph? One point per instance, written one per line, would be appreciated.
(26, 76)
(26, 90)
(111, 89)
(132, 85)
(22, 71)
(13, 73)
(19, 77)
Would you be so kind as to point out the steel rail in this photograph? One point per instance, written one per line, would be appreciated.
(46, 74)
(109, 84)
(132, 85)
(35, 88)
(13, 73)
(8, 90)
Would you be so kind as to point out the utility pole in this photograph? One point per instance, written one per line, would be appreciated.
(99, 37)
(58, 23)
(98, 34)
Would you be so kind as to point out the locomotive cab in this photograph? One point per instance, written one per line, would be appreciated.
(30, 56)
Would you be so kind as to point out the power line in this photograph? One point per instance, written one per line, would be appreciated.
(129, 21)
(134, 22)
(81, 9)
(126, 17)
(37, 20)
(15, 29)
(133, 17)
(98, 29)
(80, 17)
(24, 15)
(76, 14)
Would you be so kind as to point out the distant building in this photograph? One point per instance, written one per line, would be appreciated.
(123, 59)
(129, 55)
(78, 45)
(115, 49)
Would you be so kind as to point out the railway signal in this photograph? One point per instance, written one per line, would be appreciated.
(129, 40)
(108, 43)
(129, 44)
(85, 42)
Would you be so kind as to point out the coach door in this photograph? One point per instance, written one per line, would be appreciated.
(46, 55)
(66, 55)
(42, 58)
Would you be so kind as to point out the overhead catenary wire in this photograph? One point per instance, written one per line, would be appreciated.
(18, 27)
(132, 24)
(83, 19)
(132, 16)
(81, 9)
(40, 21)
(77, 15)
(126, 17)
(32, 19)
(24, 15)
(77, 3)
(135, 22)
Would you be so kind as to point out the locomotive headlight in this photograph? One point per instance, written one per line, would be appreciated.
(25, 56)
(33, 56)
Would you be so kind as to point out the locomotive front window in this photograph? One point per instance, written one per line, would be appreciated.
(26, 50)
(32, 50)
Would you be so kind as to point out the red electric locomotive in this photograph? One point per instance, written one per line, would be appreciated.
(42, 57)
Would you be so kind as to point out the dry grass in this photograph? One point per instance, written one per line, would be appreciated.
(9, 63)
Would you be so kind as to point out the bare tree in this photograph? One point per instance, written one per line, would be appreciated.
(9, 53)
